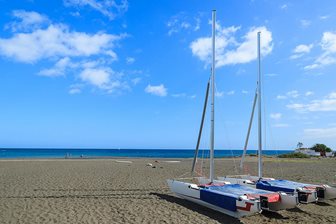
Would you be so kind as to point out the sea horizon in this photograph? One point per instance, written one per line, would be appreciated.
(15, 153)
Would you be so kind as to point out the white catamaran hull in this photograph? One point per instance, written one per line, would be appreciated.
(287, 201)
(320, 193)
(191, 192)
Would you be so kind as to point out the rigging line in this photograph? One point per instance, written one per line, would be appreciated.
(229, 145)
(267, 122)
(227, 137)
(273, 143)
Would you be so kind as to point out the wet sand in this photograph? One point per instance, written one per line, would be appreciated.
(110, 191)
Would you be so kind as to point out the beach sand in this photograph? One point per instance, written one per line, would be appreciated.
(106, 191)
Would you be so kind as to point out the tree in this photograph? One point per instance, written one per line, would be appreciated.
(299, 145)
(321, 148)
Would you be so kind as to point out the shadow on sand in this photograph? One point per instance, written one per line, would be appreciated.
(273, 215)
(320, 203)
(297, 210)
(219, 217)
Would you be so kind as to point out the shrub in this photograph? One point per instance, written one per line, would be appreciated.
(321, 148)
(294, 155)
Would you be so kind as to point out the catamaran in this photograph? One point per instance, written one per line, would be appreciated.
(306, 193)
(235, 200)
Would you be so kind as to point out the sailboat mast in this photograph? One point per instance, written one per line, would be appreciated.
(259, 113)
(212, 133)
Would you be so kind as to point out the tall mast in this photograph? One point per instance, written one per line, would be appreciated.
(212, 133)
(259, 113)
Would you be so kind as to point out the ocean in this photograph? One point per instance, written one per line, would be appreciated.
(141, 153)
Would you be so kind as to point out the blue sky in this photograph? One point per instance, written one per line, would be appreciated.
(132, 74)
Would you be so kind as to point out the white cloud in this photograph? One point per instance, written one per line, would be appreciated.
(245, 92)
(183, 95)
(239, 53)
(281, 97)
(284, 6)
(56, 41)
(219, 93)
(59, 68)
(320, 133)
(328, 103)
(182, 22)
(293, 94)
(109, 8)
(324, 17)
(103, 78)
(28, 20)
(136, 81)
(97, 77)
(301, 50)
(231, 92)
(276, 116)
(328, 57)
(222, 93)
(281, 125)
(271, 74)
(305, 23)
(75, 91)
(130, 60)
(86, 55)
(309, 93)
(159, 90)
(290, 94)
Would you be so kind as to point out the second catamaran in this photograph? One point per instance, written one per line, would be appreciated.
(306, 193)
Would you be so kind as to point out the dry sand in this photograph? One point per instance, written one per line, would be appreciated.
(106, 191)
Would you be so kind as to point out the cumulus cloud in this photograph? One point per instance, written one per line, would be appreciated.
(109, 8)
(228, 50)
(301, 50)
(87, 55)
(59, 68)
(159, 90)
(328, 56)
(26, 21)
(328, 103)
(103, 78)
(56, 41)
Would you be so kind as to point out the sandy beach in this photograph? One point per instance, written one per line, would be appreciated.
(110, 191)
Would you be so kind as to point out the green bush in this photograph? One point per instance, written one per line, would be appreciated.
(294, 155)
(321, 148)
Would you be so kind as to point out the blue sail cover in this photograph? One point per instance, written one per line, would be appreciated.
(225, 196)
(281, 185)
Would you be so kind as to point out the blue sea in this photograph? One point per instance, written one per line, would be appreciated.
(141, 153)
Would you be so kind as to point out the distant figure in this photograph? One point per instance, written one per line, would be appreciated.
(81, 156)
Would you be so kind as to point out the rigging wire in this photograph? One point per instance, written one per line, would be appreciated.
(271, 142)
